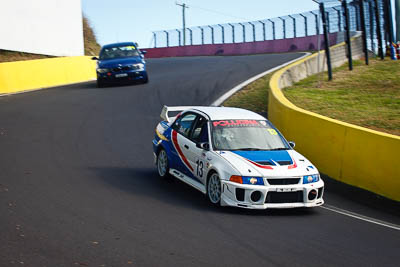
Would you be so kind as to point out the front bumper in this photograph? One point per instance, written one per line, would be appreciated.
(129, 75)
(277, 196)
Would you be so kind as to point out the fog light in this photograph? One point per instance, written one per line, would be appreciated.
(255, 196)
(312, 194)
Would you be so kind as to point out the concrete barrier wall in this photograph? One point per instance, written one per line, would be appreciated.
(271, 46)
(35, 74)
(354, 155)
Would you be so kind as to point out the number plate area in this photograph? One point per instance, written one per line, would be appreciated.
(289, 189)
(120, 75)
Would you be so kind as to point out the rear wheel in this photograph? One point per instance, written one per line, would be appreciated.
(214, 189)
(162, 163)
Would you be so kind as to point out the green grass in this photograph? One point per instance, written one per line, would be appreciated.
(252, 97)
(368, 96)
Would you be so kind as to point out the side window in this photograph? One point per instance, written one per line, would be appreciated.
(184, 123)
(200, 131)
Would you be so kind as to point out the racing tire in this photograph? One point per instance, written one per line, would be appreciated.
(162, 164)
(100, 84)
(145, 79)
(214, 189)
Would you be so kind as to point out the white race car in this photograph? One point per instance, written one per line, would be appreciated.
(236, 157)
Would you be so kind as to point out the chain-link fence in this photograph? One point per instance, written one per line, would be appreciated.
(291, 26)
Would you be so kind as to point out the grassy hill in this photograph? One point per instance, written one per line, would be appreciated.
(90, 42)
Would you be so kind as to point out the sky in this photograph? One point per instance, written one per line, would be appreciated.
(130, 20)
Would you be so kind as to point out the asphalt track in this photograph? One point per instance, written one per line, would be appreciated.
(78, 186)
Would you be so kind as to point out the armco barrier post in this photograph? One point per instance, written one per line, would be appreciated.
(348, 41)
(364, 31)
(326, 39)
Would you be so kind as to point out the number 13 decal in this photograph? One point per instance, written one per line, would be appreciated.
(199, 169)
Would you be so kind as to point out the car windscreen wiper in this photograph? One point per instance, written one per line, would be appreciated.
(278, 148)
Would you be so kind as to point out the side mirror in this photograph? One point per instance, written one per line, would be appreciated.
(292, 144)
(204, 145)
(95, 58)
(144, 52)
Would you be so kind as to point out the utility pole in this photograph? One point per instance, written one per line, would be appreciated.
(184, 6)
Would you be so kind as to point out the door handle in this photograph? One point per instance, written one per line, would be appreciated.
(186, 146)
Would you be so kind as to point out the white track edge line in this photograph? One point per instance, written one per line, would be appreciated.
(361, 217)
(240, 86)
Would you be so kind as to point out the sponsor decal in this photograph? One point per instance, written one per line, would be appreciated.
(178, 149)
(236, 123)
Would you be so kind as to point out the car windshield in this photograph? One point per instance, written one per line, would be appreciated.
(246, 135)
(119, 52)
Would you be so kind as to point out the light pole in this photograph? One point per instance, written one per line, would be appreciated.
(184, 6)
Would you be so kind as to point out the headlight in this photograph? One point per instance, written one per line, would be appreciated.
(138, 66)
(102, 70)
(310, 179)
(247, 180)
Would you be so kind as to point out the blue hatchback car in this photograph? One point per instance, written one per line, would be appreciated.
(121, 62)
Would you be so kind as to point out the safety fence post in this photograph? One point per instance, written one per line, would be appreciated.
(273, 29)
(244, 32)
(254, 31)
(327, 50)
(305, 24)
(155, 39)
(378, 29)
(284, 27)
(223, 33)
(212, 33)
(233, 32)
(263, 25)
(364, 31)
(191, 35)
(348, 41)
(167, 38)
(179, 36)
(294, 25)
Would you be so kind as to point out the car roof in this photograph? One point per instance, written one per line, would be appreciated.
(227, 113)
(119, 44)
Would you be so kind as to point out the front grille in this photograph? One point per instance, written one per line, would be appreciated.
(284, 197)
(284, 162)
(320, 191)
(265, 162)
(240, 194)
(125, 68)
(283, 181)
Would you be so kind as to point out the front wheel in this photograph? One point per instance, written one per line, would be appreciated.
(214, 189)
(162, 164)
